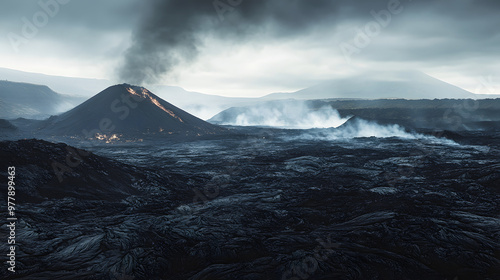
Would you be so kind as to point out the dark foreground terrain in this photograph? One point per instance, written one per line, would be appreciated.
(257, 206)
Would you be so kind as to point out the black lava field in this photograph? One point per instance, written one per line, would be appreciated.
(257, 203)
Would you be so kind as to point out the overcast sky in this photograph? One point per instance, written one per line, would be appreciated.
(252, 47)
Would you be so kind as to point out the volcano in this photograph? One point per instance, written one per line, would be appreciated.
(127, 110)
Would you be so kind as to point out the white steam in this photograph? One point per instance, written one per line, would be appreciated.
(357, 128)
(324, 123)
(363, 128)
(292, 115)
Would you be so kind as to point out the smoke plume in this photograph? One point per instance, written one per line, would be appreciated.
(171, 32)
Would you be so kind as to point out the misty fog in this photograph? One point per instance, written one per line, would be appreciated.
(289, 114)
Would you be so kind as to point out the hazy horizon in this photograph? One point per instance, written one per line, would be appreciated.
(484, 90)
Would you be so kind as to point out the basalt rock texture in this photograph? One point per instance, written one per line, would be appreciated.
(261, 207)
(57, 171)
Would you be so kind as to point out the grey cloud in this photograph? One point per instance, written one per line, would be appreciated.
(91, 14)
(76, 28)
(170, 31)
(445, 34)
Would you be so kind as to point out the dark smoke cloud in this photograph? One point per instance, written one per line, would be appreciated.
(166, 37)
(171, 32)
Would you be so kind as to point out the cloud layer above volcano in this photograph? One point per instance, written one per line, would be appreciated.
(242, 47)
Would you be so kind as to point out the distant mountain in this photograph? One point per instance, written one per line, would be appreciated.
(6, 127)
(82, 87)
(32, 101)
(129, 110)
(5, 124)
(404, 84)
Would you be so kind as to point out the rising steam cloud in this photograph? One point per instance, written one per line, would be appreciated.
(356, 128)
(323, 123)
(282, 114)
